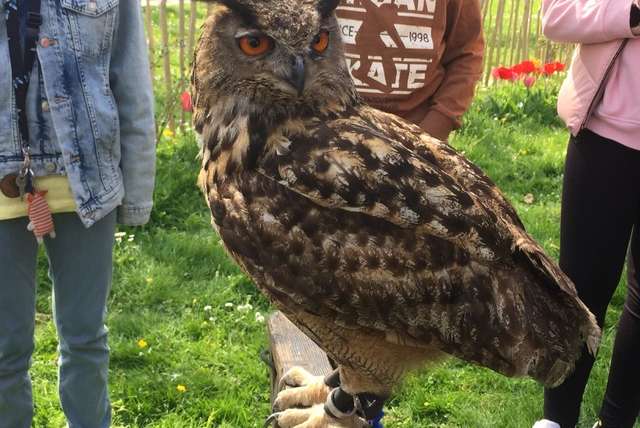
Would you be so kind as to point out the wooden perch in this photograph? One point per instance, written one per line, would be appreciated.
(289, 348)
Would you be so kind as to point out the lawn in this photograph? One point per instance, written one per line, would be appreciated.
(187, 328)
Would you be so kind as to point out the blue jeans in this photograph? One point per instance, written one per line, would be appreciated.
(80, 263)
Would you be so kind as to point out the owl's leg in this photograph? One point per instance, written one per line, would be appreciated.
(339, 409)
(360, 392)
(370, 366)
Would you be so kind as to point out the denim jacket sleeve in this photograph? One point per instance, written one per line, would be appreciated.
(130, 82)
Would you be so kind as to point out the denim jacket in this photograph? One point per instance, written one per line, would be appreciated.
(94, 90)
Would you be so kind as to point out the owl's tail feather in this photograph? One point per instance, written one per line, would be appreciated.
(590, 330)
(593, 333)
(558, 373)
(566, 356)
(556, 280)
(562, 369)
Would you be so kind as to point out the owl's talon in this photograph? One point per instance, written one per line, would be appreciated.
(313, 417)
(283, 384)
(272, 420)
(297, 376)
(305, 390)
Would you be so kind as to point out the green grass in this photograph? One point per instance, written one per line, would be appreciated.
(175, 288)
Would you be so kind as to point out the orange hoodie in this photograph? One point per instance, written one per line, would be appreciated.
(419, 59)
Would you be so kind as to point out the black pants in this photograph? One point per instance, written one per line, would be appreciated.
(600, 214)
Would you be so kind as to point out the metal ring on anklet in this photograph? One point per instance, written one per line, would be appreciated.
(332, 409)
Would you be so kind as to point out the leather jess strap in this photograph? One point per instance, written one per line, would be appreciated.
(23, 58)
(22, 61)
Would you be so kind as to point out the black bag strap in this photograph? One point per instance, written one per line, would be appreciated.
(635, 16)
(23, 59)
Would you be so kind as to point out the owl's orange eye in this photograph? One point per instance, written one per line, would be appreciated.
(321, 42)
(254, 45)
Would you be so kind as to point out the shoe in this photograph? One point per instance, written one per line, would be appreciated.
(545, 423)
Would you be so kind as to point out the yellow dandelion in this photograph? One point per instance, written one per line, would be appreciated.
(167, 133)
(149, 280)
(142, 344)
(181, 389)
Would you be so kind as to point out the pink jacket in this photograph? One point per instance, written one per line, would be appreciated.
(601, 28)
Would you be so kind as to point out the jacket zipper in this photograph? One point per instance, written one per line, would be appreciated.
(600, 91)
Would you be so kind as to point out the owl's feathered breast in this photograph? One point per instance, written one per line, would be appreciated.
(364, 220)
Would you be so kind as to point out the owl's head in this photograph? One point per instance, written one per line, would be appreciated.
(272, 54)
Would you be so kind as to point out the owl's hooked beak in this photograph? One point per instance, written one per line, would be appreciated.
(297, 74)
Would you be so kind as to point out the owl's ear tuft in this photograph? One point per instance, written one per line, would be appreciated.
(326, 7)
(241, 9)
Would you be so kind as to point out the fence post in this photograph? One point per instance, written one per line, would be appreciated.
(181, 43)
(486, 11)
(169, 97)
(526, 20)
(150, 38)
(495, 41)
(514, 34)
(192, 28)
(512, 18)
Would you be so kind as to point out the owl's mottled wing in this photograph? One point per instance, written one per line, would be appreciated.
(476, 182)
(368, 222)
(378, 165)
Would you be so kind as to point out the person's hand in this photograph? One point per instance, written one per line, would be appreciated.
(437, 125)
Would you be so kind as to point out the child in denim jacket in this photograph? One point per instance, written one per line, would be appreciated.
(91, 148)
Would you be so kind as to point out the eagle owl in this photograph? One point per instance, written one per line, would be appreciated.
(386, 246)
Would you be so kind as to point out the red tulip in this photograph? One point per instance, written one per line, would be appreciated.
(504, 73)
(549, 69)
(560, 66)
(525, 67)
(529, 66)
(518, 69)
(187, 104)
